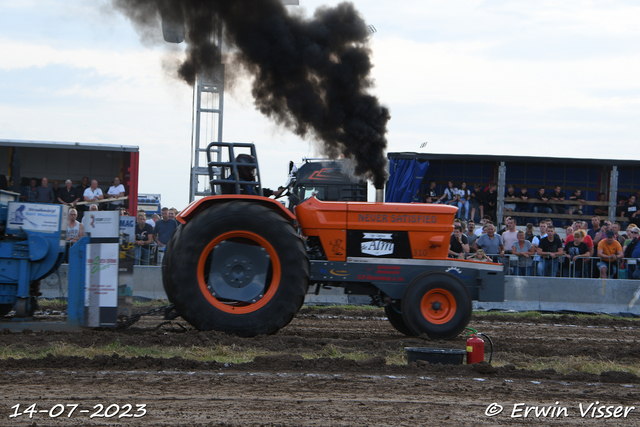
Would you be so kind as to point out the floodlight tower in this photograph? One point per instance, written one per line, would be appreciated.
(208, 107)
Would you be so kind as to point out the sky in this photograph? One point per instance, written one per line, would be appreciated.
(545, 78)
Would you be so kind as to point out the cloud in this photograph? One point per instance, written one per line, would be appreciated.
(17, 55)
(411, 72)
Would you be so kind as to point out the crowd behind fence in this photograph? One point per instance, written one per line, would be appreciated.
(563, 266)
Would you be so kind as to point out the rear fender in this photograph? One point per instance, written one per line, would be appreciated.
(199, 205)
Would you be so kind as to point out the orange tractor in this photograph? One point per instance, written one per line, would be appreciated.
(243, 263)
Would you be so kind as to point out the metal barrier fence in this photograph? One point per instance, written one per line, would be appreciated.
(563, 266)
(148, 256)
(142, 256)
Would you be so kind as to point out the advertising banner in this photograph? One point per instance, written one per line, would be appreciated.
(41, 217)
(101, 289)
(103, 253)
(125, 267)
(101, 224)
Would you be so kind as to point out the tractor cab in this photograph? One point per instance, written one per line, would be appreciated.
(328, 180)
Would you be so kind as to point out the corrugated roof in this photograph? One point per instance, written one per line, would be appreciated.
(512, 159)
(67, 145)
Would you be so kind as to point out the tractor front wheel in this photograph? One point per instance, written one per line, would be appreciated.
(395, 318)
(237, 267)
(436, 304)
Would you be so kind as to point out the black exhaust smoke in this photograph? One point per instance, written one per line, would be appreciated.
(310, 75)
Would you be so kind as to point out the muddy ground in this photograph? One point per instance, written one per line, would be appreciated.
(288, 390)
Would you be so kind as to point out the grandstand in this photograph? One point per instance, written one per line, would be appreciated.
(613, 177)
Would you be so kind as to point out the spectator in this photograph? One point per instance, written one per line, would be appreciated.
(528, 234)
(576, 196)
(615, 227)
(622, 201)
(523, 206)
(482, 230)
(510, 235)
(550, 250)
(114, 192)
(632, 250)
(464, 195)
(595, 222)
(609, 252)
(636, 251)
(629, 246)
(164, 229)
(30, 194)
(56, 191)
(458, 244)
(84, 184)
(491, 243)
(144, 237)
(568, 232)
(630, 236)
(601, 210)
(45, 192)
(490, 201)
(153, 220)
(450, 196)
(93, 194)
(80, 189)
(93, 207)
(173, 213)
(523, 249)
(630, 210)
(557, 196)
(577, 250)
(586, 239)
(432, 193)
(602, 234)
(538, 266)
(480, 255)
(67, 195)
(13, 187)
(509, 202)
(470, 233)
(541, 207)
(475, 201)
(75, 230)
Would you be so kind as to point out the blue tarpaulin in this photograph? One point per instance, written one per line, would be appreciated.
(405, 177)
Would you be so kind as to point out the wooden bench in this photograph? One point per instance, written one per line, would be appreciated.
(559, 216)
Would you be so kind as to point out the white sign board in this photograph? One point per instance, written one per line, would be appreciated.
(41, 217)
(101, 223)
(101, 279)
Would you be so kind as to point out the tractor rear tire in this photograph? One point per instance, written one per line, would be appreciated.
(395, 318)
(281, 262)
(437, 304)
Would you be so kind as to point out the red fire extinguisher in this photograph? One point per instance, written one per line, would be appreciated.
(475, 348)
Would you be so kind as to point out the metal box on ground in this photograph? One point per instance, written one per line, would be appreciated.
(445, 356)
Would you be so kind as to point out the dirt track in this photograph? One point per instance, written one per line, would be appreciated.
(288, 390)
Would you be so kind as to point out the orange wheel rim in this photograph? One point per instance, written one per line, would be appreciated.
(438, 306)
(271, 285)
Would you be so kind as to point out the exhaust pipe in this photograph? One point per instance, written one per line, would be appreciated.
(379, 195)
